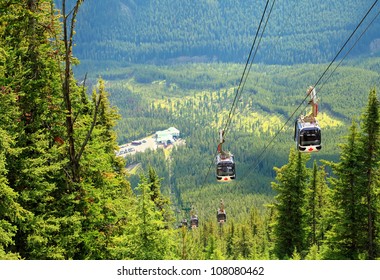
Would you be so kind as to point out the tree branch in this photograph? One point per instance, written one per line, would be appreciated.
(78, 156)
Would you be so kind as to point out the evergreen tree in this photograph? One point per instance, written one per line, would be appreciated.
(106, 196)
(245, 242)
(32, 75)
(370, 156)
(212, 250)
(10, 211)
(290, 226)
(259, 235)
(146, 236)
(189, 245)
(355, 229)
(162, 203)
(230, 240)
(55, 212)
(318, 206)
(12, 215)
(345, 239)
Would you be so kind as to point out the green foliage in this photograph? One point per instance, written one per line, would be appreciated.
(171, 98)
(65, 195)
(147, 236)
(44, 213)
(11, 213)
(313, 253)
(290, 228)
(370, 153)
(355, 216)
(175, 31)
(318, 206)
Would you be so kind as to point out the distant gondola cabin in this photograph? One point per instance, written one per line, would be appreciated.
(194, 221)
(184, 222)
(221, 216)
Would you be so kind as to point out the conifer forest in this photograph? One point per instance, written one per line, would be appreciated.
(84, 85)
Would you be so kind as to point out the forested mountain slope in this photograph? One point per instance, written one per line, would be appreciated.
(64, 194)
(196, 99)
(167, 31)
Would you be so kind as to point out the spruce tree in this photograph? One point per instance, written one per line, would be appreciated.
(12, 215)
(146, 236)
(35, 173)
(106, 198)
(60, 207)
(259, 234)
(345, 239)
(290, 226)
(230, 237)
(370, 156)
(356, 217)
(212, 250)
(318, 205)
(162, 203)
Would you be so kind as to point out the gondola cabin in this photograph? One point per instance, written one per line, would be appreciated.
(307, 136)
(221, 216)
(184, 222)
(225, 167)
(194, 221)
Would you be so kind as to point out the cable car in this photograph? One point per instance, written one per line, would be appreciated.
(307, 133)
(307, 136)
(221, 213)
(194, 221)
(225, 162)
(225, 167)
(184, 222)
(221, 216)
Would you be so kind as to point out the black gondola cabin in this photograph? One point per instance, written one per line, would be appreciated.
(194, 221)
(221, 216)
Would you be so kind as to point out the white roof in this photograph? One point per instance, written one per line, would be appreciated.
(168, 132)
(173, 130)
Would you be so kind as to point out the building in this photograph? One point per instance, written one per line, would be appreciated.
(173, 131)
(167, 136)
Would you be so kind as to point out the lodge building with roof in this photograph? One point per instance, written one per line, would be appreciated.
(168, 136)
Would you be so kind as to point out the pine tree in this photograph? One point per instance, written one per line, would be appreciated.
(259, 235)
(212, 250)
(245, 242)
(105, 197)
(230, 240)
(290, 227)
(9, 208)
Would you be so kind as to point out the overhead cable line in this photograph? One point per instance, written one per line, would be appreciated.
(344, 45)
(344, 57)
(249, 62)
(244, 76)
(260, 157)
